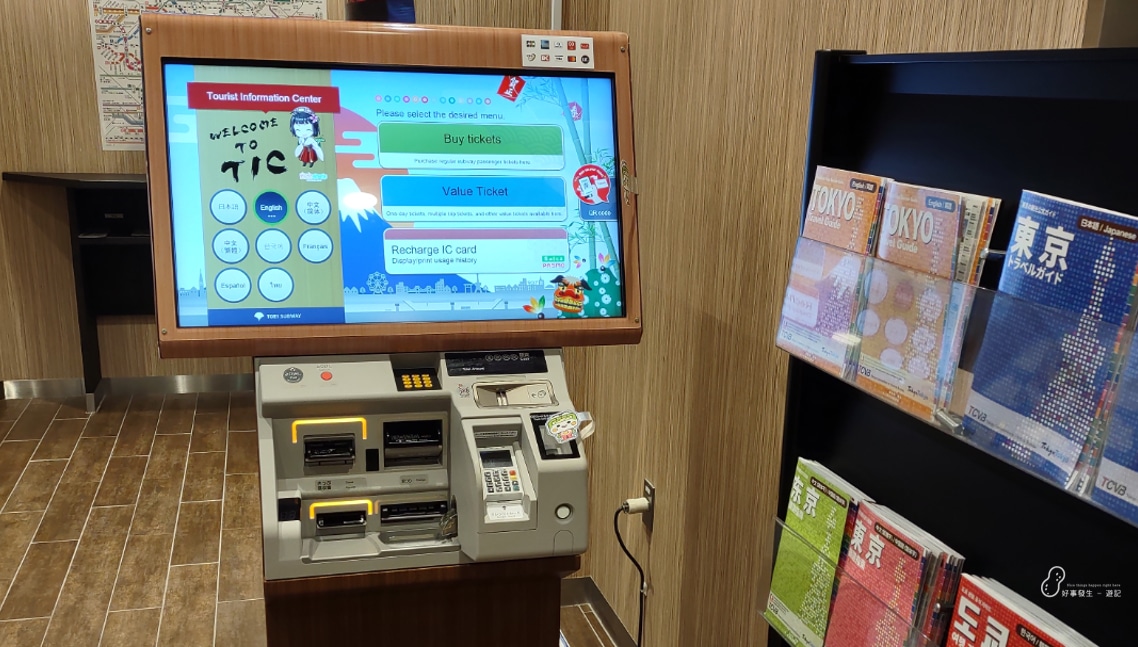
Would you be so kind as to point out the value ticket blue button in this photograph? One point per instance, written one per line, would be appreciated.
(271, 207)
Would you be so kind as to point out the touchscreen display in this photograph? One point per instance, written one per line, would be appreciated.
(496, 459)
(304, 195)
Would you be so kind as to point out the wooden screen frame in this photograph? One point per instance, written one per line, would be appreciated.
(354, 43)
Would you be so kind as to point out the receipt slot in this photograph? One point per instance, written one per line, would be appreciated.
(384, 462)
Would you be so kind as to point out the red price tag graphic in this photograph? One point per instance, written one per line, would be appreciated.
(575, 110)
(591, 184)
(511, 87)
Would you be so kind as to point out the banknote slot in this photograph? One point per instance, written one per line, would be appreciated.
(399, 513)
(413, 443)
(329, 450)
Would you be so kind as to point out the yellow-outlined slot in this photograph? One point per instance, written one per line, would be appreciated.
(333, 504)
(328, 421)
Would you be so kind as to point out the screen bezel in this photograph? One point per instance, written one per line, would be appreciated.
(213, 40)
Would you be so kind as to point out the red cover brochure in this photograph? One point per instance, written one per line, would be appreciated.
(877, 592)
(985, 619)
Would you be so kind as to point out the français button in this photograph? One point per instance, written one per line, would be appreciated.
(326, 375)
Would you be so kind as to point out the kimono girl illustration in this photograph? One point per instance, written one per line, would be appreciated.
(305, 126)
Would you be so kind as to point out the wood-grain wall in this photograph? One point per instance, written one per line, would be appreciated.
(721, 89)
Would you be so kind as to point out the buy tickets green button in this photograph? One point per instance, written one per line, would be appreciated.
(448, 146)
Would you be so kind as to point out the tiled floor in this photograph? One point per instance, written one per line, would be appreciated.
(140, 525)
(137, 526)
(580, 627)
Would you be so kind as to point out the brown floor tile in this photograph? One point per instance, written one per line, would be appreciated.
(11, 409)
(37, 584)
(177, 413)
(137, 432)
(241, 623)
(13, 457)
(132, 628)
(22, 633)
(67, 512)
(157, 507)
(121, 481)
(242, 453)
(82, 607)
(89, 460)
(72, 408)
(242, 501)
(34, 490)
(213, 402)
(242, 575)
(60, 439)
(108, 419)
(142, 576)
(576, 629)
(168, 457)
(188, 614)
(199, 533)
(243, 411)
(205, 477)
(598, 627)
(34, 421)
(209, 432)
(5, 425)
(16, 532)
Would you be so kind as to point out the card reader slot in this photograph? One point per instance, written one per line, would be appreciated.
(329, 450)
(412, 443)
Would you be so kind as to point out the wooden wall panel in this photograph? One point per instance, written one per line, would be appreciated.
(128, 347)
(519, 14)
(721, 90)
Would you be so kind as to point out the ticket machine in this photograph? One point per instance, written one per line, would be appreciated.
(403, 226)
(380, 462)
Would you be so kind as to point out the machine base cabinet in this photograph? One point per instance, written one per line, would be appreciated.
(505, 604)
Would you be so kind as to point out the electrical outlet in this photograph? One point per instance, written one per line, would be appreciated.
(650, 494)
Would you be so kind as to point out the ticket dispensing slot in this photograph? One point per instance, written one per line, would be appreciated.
(339, 518)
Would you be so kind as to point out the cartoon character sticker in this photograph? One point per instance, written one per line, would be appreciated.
(570, 294)
(305, 126)
(569, 425)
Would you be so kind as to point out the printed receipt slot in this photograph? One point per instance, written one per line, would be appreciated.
(367, 462)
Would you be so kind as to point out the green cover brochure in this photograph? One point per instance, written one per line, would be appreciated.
(803, 581)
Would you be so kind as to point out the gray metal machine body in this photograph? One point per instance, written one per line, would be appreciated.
(363, 459)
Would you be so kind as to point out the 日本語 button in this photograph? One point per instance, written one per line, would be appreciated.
(227, 206)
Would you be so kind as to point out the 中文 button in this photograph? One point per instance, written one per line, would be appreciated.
(326, 375)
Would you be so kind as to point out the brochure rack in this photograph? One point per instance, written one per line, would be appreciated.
(1059, 122)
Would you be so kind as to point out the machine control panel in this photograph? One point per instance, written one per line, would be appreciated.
(499, 474)
(419, 379)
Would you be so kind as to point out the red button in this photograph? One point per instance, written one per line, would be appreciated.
(326, 375)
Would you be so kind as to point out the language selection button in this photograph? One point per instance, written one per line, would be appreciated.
(275, 284)
(230, 245)
(419, 198)
(486, 251)
(273, 245)
(313, 207)
(227, 207)
(471, 146)
(315, 246)
(232, 285)
(271, 207)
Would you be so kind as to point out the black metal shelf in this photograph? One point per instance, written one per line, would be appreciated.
(1060, 122)
(113, 241)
